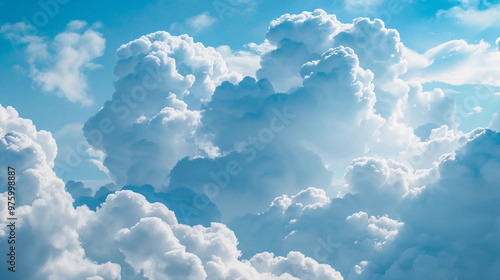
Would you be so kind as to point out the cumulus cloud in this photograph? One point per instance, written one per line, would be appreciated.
(190, 143)
(394, 223)
(201, 21)
(495, 122)
(243, 62)
(49, 221)
(163, 81)
(178, 107)
(471, 13)
(138, 239)
(59, 65)
(365, 5)
(457, 63)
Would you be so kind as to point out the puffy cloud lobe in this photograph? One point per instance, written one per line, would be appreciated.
(245, 63)
(238, 182)
(47, 223)
(317, 105)
(27, 150)
(254, 128)
(58, 66)
(457, 63)
(434, 108)
(137, 239)
(201, 21)
(296, 263)
(152, 117)
(379, 49)
(495, 122)
(382, 229)
(418, 238)
(77, 189)
(308, 35)
(149, 239)
(164, 258)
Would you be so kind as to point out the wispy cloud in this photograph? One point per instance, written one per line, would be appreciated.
(201, 21)
(471, 14)
(58, 65)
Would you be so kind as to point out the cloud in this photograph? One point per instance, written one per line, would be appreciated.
(424, 108)
(163, 81)
(309, 35)
(138, 239)
(495, 122)
(471, 14)
(201, 21)
(243, 62)
(364, 5)
(394, 223)
(49, 221)
(58, 66)
(178, 107)
(76, 25)
(190, 144)
(457, 63)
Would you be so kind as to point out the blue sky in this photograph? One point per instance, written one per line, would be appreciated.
(356, 139)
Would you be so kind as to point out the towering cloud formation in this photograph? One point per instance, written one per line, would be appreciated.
(339, 96)
(419, 198)
(394, 223)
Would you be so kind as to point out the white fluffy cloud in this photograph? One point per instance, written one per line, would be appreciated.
(59, 65)
(245, 63)
(470, 14)
(47, 237)
(419, 200)
(163, 82)
(395, 223)
(177, 107)
(495, 122)
(457, 63)
(137, 240)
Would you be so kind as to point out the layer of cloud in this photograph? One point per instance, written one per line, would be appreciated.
(457, 63)
(191, 143)
(472, 14)
(59, 65)
(163, 81)
(394, 223)
(201, 21)
(179, 108)
(138, 239)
